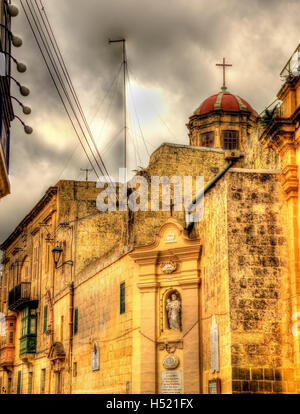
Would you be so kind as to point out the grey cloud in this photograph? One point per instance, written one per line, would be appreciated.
(171, 45)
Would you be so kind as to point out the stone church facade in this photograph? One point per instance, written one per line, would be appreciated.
(145, 302)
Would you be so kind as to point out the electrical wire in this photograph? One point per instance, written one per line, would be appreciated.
(56, 87)
(56, 69)
(135, 110)
(67, 75)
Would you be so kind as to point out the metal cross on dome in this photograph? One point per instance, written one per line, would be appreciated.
(224, 68)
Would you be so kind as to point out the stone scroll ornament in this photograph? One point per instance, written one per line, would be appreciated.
(173, 308)
(214, 346)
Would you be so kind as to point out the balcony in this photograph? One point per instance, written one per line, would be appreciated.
(7, 354)
(19, 297)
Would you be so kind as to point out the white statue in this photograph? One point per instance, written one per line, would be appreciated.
(174, 312)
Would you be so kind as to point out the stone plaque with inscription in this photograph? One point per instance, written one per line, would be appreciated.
(171, 382)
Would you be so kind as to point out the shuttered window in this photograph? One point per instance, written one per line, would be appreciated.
(122, 297)
(45, 318)
(75, 330)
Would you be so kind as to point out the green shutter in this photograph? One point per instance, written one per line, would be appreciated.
(75, 321)
(45, 318)
(19, 383)
(122, 297)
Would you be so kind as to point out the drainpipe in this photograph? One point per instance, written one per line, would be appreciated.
(198, 198)
(71, 313)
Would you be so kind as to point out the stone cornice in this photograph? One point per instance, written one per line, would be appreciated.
(279, 134)
(34, 212)
(289, 180)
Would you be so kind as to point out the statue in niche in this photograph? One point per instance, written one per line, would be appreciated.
(173, 308)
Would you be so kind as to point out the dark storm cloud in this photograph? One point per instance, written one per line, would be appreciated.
(171, 45)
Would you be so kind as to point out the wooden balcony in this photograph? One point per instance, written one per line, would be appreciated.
(20, 297)
(7, 354)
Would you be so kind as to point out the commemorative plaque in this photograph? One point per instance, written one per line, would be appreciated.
(171, 382)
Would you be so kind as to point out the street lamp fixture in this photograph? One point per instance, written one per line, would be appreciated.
(27, 128)
(56, 253)
(23, 89)
(13, 11)
(21, 67)
(15, 40)
(26, 109)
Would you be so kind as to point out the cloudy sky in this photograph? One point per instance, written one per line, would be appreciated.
(172, 49)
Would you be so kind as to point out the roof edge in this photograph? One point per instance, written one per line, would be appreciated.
(29, 217)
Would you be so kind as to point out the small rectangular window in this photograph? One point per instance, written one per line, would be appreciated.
(43, 381)
(19, 382)
(45, 318)
(11, 337)
(230, 140)
(75, 330)
(207, 140)
(122, 297)
(30, 381)
(75, 369)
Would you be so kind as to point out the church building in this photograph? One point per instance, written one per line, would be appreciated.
(149, 302)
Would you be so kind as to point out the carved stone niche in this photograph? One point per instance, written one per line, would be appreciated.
(57, 356)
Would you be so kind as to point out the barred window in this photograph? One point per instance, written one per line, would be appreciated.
(207, 140)
(230, 140)
(75, 322)
(45, 324)
(122, 297)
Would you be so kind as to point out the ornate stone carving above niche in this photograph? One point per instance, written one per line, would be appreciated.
(170, 346)
(168, 267)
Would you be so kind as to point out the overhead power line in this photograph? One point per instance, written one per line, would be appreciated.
(67, 75)
(62, 81)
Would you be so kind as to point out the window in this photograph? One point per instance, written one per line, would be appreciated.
(75, 369)
(19, 382)
(43, 381)
(45, 318)
(75, 329)
(207, 140)
(28, 331)
(24, 322)
(30, 381)
(122, 297)
(11, 337)
(230, 140)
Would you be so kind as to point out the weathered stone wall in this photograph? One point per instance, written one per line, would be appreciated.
(257, 257)
(98, 303)
(258, 157)
(214, 285)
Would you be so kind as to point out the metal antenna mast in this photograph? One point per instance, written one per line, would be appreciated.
(87, 170)
(124, 96)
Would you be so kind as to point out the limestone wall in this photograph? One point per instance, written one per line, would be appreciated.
(257, 256)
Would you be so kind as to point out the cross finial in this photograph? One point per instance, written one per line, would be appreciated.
(224, 68)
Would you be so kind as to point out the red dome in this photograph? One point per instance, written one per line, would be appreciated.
(225, 102)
